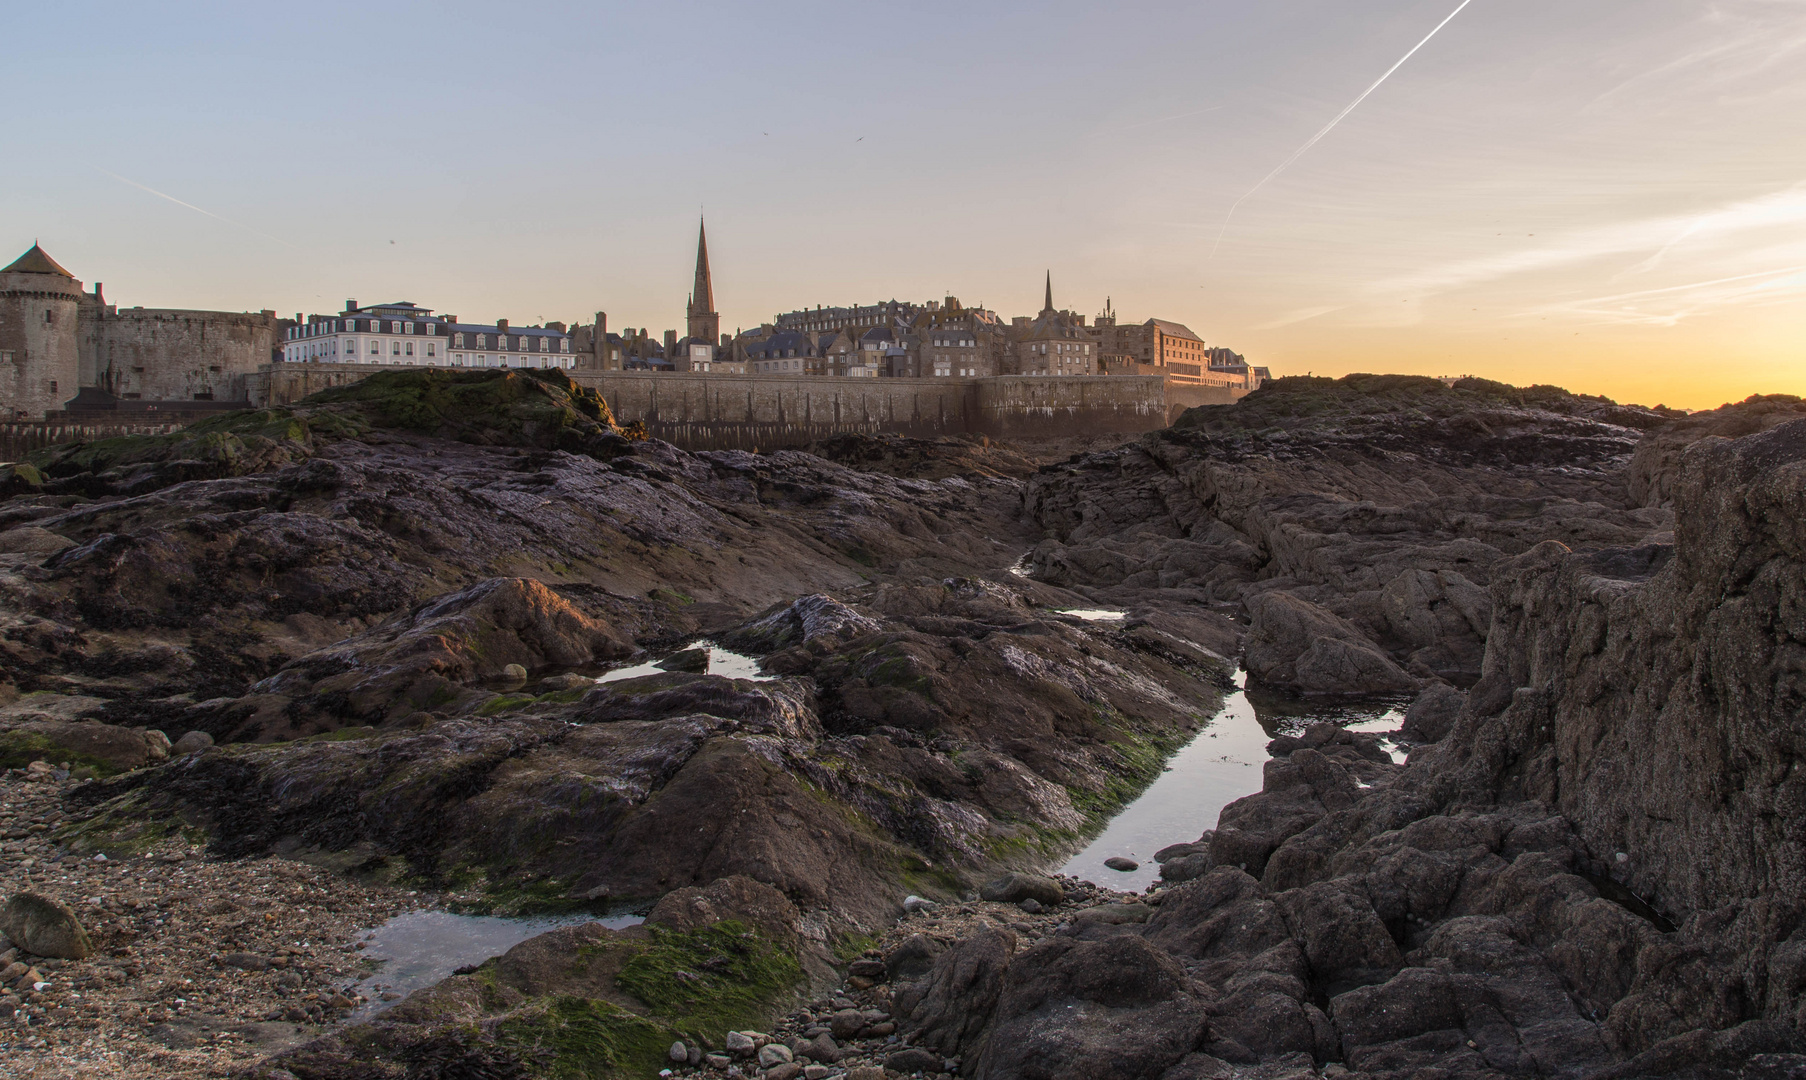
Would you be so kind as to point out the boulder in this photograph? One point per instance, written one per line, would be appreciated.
(1432, 714)
(31, 540)
(105, 747)
(1294, 644)
(914, 1060)
(43, 926)
(441, 654)
(1186, 867)
(1116, 1007)
(911, 959)
(1015, 888)
(949, 1010)
(191, 742)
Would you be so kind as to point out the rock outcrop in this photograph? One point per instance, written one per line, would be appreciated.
(1361, 516)
(382, 635)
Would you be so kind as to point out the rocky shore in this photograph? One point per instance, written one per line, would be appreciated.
(355, 658)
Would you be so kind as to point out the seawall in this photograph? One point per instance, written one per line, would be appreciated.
(746, 412)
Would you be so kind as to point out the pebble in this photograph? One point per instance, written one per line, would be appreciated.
(162, 921)
(913, 904)
(1117, 862)
(774, 1054)
(680, 1052)
(739, 1042)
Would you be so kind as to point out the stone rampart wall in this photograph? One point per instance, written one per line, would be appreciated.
(746, 412)
(164, 354)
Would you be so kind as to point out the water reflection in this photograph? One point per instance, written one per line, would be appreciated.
(723, 662)
(1220, 765)
(419, 948)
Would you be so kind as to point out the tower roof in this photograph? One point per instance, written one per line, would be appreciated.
(36, 262)
(702, 297)
(1047, 306)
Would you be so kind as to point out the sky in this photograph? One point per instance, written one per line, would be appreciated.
(1606, 195)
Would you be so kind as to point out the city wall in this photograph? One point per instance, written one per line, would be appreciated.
(746, 412)
(167, 354)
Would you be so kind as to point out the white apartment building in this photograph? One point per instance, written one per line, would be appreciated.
(409, 335)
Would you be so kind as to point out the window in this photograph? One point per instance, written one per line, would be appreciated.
(410, 348)
(395, 348)
(430, 349)
(407, 328)
(376, 347)
(457, 341)
(482, 341)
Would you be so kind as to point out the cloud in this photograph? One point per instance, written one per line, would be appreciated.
(1651, 237)
(1668, 306)
(1291, 318)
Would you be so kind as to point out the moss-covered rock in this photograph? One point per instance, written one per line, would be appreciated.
(538, 409)
(590, 1003)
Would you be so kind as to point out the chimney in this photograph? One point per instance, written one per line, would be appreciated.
(502, 325)
(351, 305)
(601, 325)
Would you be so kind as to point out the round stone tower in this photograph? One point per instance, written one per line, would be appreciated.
(40, 303)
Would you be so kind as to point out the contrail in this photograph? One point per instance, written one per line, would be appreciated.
(193, 207)
(1327, 128)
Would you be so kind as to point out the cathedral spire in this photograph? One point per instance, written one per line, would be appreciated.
(704, 322)
(1048, 306)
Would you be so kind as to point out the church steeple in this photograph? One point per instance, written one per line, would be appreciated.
(1048, 305)
(704, 321)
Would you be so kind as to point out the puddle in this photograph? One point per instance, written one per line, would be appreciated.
(724, 662)
(419, 948)
(1222, 764)
(1094, 614)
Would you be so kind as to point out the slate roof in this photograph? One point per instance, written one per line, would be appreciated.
(1173, 329)
(36, 262)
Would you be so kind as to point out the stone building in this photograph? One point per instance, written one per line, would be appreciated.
(56, 337)
(855, 319)
(959, 341)
(1054, 342)
(1161, 346)
(786, 352)
(40, 314)
(405, 334)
